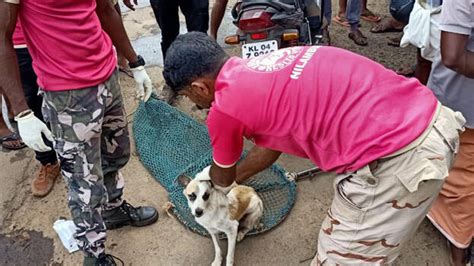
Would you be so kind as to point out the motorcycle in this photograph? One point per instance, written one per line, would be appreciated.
(265, 26)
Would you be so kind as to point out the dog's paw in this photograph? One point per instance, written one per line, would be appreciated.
(240, 236)
(217, 262)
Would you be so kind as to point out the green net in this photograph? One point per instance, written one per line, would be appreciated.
(170, 144)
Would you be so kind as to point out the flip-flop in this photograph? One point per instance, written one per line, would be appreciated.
(385, 26)
(341, 21)
(12, 142)
(370, 16)
(394, 41)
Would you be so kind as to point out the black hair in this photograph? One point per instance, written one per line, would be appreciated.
(190, 56)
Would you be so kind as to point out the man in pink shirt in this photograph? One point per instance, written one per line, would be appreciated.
(387, 137)
(45, 178)
(75, 62)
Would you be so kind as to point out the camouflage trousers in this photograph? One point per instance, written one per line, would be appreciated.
(377, 209)
(91, 138)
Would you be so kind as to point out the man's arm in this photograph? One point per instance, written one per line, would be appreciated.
(222, 177)
(29, 127)
(112, 24)
(218, 10)
(257, 160)
(455, 55)
(10, 82)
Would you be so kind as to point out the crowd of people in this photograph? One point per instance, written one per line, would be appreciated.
(402, 148)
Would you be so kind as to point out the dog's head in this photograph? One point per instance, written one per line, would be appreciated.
(197, 191)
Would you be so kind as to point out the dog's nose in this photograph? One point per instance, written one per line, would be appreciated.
(198, 212)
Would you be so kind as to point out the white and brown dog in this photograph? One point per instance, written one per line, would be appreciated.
(235, 214)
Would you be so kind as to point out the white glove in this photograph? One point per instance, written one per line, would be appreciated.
(30, 129)
(226, 189)
(144, 86)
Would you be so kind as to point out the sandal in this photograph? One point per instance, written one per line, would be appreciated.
(341, 20)
(386, 25)
(369, 16)
(358, 38)
(394, 41)
(12, 142)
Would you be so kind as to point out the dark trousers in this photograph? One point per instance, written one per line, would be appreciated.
(34, 101)
(196, 13)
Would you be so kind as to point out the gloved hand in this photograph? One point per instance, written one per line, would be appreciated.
(144, 86)
(205, 175)
(30, 129)
(226, 189)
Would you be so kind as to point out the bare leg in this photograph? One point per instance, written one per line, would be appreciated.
(458, 256)
(363, 5)
(423, 68)
(342, 8)
(3, 128)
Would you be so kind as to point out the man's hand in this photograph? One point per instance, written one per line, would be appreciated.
(222, 177)
(144, 86)
(129, 4)
(30, 129)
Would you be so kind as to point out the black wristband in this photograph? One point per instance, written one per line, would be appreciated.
(138, 63)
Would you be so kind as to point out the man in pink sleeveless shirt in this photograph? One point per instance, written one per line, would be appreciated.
(75, 62)
(387, 137)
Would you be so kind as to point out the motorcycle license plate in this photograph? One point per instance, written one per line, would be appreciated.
(256, 49)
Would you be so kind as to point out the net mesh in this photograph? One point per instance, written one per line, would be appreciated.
(170, 144)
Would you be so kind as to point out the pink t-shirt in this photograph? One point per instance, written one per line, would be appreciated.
(66, 41)
(18, 38)
(337, 108)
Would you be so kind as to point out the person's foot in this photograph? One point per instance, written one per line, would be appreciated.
(394, 41)
(388, 25)
(103, 260)
(167, 94)
(44, 180)
(358, 38)
(126, 214)
(11, 141)
(341, 20)
(369, 16)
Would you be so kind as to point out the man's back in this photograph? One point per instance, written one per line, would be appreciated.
(338, 109)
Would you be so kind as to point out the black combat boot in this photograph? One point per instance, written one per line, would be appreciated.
(102, 260)
(126, 214)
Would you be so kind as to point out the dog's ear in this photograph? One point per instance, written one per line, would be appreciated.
(184, 180)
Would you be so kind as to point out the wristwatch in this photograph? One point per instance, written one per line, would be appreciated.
(138, 63)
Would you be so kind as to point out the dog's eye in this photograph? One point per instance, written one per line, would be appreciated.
(205, 196)
(192, 197)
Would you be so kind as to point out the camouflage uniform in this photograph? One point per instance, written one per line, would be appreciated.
(91, 138)
(377, 209)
